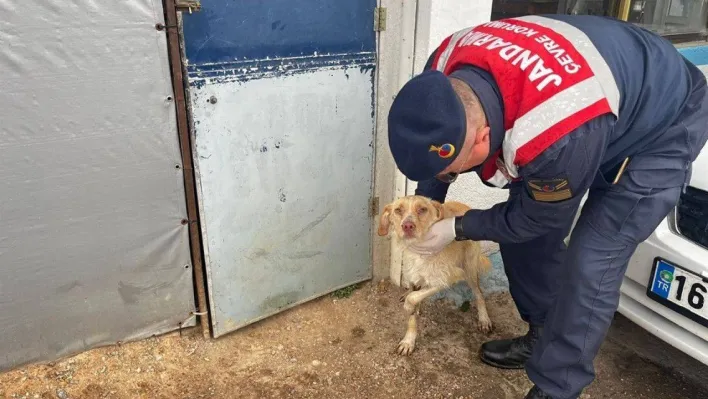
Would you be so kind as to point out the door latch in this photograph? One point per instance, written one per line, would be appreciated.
(188, 5)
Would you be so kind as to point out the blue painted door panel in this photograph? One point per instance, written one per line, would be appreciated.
(226, 31)
(282, 101)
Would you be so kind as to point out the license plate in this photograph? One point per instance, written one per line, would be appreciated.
(678, 289)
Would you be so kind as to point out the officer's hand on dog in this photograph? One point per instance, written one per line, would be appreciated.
(438, 237)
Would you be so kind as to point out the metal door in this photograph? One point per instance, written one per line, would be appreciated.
(281, 94)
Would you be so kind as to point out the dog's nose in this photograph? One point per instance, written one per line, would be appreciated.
(408, 226)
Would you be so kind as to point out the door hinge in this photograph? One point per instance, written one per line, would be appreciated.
(188, 5)
(373, 207)
(379, 19)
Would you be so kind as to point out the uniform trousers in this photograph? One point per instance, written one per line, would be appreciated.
(573, 291)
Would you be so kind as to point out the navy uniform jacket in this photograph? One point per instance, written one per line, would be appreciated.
(655, 82)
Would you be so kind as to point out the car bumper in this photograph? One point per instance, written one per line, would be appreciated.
(669, 326)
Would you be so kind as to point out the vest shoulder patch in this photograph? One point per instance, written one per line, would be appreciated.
(549, 190)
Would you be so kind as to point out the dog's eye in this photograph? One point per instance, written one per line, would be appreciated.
(398, 211)
(422, 210)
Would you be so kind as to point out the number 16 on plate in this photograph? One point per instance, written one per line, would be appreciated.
(680, 290)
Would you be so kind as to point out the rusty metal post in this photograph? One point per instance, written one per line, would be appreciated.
(178, 85)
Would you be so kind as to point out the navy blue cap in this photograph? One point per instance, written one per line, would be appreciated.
(426, 126)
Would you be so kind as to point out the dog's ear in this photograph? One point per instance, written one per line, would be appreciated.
(384, 221)
(439, 209)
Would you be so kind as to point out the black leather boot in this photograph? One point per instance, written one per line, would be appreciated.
(510, 353)
(536, 393)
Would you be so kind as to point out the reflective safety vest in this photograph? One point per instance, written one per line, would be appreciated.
(551, 77)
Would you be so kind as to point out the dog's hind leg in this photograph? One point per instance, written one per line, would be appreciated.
(483, 320)
(411, 304)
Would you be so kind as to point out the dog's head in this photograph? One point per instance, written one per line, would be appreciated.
(410, 217)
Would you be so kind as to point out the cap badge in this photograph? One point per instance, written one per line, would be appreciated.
(444, 151)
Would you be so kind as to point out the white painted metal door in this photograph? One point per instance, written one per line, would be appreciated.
(282, 103)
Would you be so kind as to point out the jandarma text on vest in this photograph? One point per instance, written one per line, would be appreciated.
(525, 58)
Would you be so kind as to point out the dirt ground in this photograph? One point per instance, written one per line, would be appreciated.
(330, 348)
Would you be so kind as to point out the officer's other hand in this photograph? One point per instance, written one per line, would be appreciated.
(438, 237)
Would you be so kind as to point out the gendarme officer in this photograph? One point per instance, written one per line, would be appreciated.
(551, 108)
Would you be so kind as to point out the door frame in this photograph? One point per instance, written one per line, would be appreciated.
(396, 64)
(177, 61)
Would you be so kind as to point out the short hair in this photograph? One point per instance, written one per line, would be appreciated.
(473, 107)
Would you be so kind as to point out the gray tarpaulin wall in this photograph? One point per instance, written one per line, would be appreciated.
(92, 250)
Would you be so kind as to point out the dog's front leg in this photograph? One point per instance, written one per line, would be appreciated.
(413, 299)
(411, 303)
(409, 289)
(407, 344)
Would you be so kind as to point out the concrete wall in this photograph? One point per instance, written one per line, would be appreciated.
(427, 23)
(395, 50)
(436, 19)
